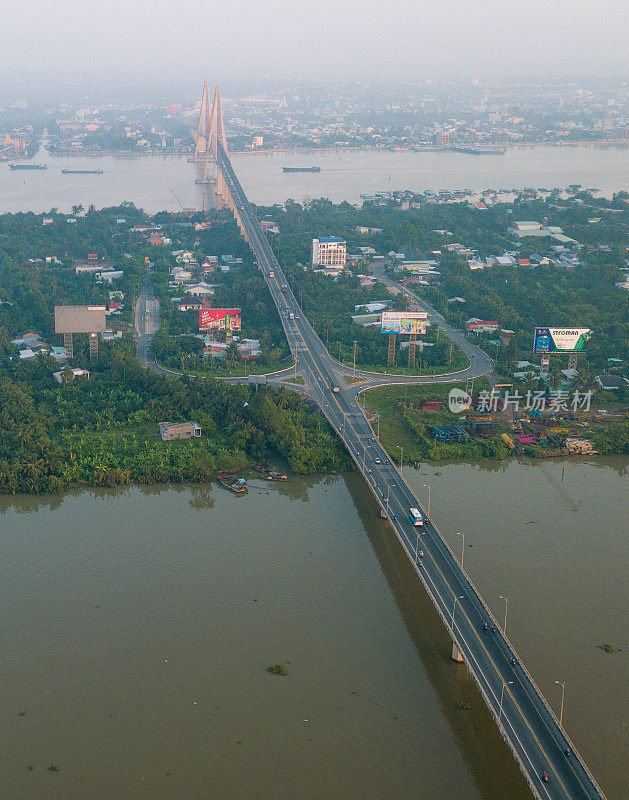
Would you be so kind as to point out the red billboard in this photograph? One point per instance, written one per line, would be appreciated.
(219, 319)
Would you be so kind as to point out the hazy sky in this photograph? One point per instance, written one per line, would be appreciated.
(108, 40)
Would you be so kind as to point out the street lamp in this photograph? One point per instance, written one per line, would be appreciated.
(502, 691)
(400, 447)
(563, 692)
(355, 343)
(462, 535)
(460, 597)
(506, 599)
(427, 485)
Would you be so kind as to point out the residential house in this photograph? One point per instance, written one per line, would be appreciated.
(179, 430)
(201, 289)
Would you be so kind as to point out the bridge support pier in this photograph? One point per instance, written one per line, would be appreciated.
(67, 343)
(456, 655)
(412, 339)
(391, 354)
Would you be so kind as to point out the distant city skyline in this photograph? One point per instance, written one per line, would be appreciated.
(90, 43)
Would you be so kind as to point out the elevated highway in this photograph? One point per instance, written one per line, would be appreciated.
(548, 759)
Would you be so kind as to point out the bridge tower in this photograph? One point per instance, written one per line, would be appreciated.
(216, 127)
(203, 128)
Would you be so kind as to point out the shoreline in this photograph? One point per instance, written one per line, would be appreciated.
(598, 143)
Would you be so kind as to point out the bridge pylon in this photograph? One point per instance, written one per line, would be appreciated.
(203, 127)
(216, 131)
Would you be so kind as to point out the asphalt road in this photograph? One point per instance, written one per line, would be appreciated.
(526, 721)
(147, 325)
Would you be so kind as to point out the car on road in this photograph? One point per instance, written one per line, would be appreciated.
(377, 460)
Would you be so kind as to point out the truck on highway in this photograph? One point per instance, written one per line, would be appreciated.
(416, 517)
(291, 315)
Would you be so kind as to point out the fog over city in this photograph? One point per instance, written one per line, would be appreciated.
(88, 43)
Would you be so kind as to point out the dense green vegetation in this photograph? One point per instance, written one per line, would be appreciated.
(104, 431)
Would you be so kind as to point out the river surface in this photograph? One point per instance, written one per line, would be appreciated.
(158, 183)
(137, 626)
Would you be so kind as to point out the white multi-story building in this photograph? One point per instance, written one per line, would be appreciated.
(329, 252)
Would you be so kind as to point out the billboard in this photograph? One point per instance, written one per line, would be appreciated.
(560, 340)
(80, 319)
(219, 319)
(404, 322)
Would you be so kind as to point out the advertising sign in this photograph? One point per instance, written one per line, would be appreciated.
(219, 319)
(562, 340)
(404, 322)
(80, 319)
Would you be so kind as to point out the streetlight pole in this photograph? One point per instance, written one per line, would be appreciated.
(355, 343)
(502, 691)
(462, 535)
(460, 597)
(563, 692)
(401, 449)
(506, 599)
(427, 485)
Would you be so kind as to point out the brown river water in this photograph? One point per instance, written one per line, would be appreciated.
(137, 626)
